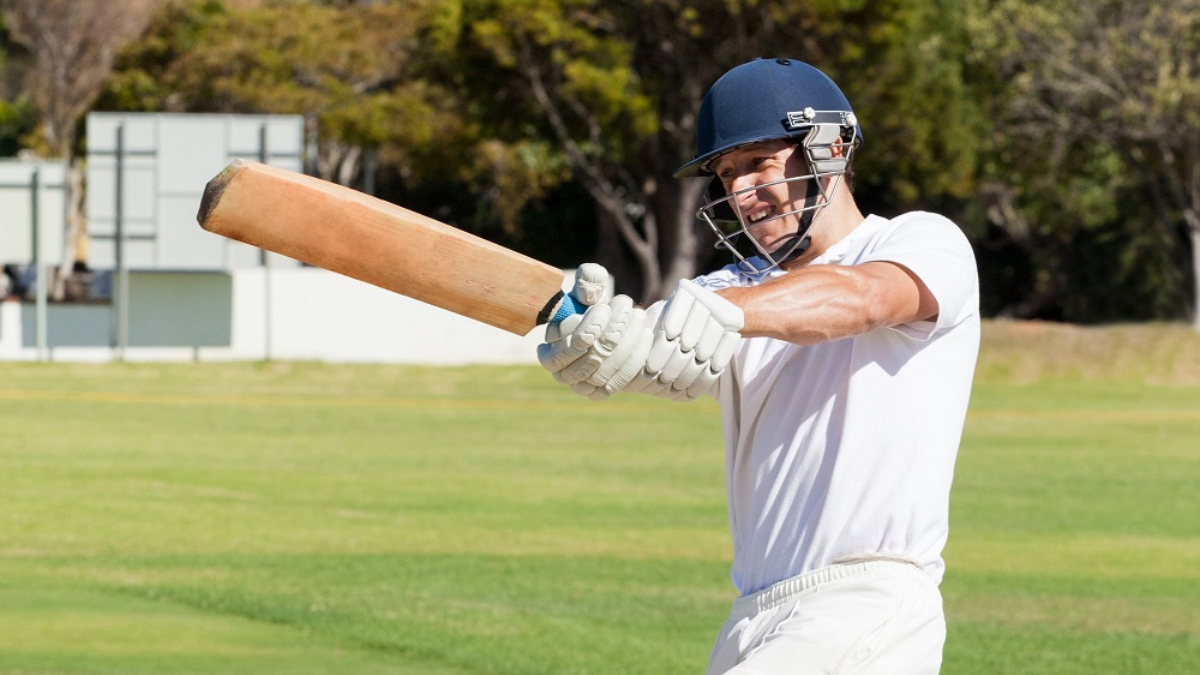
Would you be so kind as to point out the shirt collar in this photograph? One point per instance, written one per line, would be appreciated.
(840, 249)
(833, 255)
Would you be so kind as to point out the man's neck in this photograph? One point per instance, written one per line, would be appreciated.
(834, 223)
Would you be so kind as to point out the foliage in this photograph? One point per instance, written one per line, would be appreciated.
(1062, 136)
(1095, 157)
(561, 73)
(616, 85)
(71, 45)
(353, 70)
(17, 119)
(524, 96)
(922, 121)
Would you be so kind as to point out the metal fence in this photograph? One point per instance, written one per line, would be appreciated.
(33, 209)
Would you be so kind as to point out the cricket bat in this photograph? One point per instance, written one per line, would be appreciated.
(352, 233)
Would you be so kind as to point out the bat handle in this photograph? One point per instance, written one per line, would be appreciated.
(568, 307)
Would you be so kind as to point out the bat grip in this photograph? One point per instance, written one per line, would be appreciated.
(568, 307)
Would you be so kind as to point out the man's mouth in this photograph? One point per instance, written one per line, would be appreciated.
(758, 216)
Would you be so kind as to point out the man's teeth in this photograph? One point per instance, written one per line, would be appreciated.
(755, 217)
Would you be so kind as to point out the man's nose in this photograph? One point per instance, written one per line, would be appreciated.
(740, 183)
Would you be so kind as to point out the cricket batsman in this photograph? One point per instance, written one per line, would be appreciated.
(840, 348)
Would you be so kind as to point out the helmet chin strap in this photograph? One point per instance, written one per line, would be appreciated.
(794, 248)
(799, 242)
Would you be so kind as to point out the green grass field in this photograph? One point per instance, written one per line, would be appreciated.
(306, 518)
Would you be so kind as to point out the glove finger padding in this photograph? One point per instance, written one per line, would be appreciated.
(645, 382)
(703, 383)
(589, 390)
(724, 351)
(555, 356)
(699, 377)
(675, 317)
(711, 369)
(628, 357)
(677, 360)
(558, 330)
(623, 318)
(690, 373)
(693, 343)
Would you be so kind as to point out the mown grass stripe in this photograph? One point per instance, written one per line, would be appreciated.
(566, 403)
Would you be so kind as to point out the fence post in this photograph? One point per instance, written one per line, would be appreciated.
(121, 290)
(39, 265)
(263, 259)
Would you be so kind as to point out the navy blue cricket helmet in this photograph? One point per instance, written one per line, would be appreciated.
(765, 100)
(762, 100)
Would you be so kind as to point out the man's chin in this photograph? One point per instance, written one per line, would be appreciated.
(790, 251)
(794, 264)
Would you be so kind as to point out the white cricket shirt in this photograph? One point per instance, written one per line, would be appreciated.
(847, 448)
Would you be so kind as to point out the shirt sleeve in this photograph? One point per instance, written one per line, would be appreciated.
(935, 250)
(727, 277)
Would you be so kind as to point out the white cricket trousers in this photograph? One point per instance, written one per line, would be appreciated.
(878, 617)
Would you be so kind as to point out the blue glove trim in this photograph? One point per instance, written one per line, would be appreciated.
(569, 307)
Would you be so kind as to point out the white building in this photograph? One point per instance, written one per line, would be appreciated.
(189, 294)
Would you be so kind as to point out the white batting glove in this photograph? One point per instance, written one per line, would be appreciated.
(694, 340)
(614, 339)
(600, 351)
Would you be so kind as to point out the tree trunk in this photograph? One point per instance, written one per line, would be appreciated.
(349, 166)
(610, 252)
(76, 222)
(1195, 232)
(683, 261)
(623, 217)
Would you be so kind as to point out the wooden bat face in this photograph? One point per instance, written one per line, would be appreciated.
(351, 233)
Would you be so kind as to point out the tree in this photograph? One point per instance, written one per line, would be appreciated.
(71, 45)
(16, 120)
(615, 87)
(351, 69)
(903, 72)
(1098, 140)
(16, 112)
(520, 101)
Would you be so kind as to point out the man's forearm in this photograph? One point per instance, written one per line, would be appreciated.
(823, 303)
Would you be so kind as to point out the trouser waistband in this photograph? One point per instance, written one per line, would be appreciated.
(848, 568)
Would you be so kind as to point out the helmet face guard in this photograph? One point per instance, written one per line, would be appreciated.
(723, 212)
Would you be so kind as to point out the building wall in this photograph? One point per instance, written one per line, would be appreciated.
(300, 313)
(195, 296)
(162, 163)
(17, 209)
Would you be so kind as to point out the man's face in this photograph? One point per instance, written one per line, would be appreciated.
(759, 165)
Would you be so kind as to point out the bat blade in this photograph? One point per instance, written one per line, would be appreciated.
(357, 235)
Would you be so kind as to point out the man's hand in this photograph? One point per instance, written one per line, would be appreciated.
(605, 351)
(616, 346)
(599, 352)
(693, 344)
